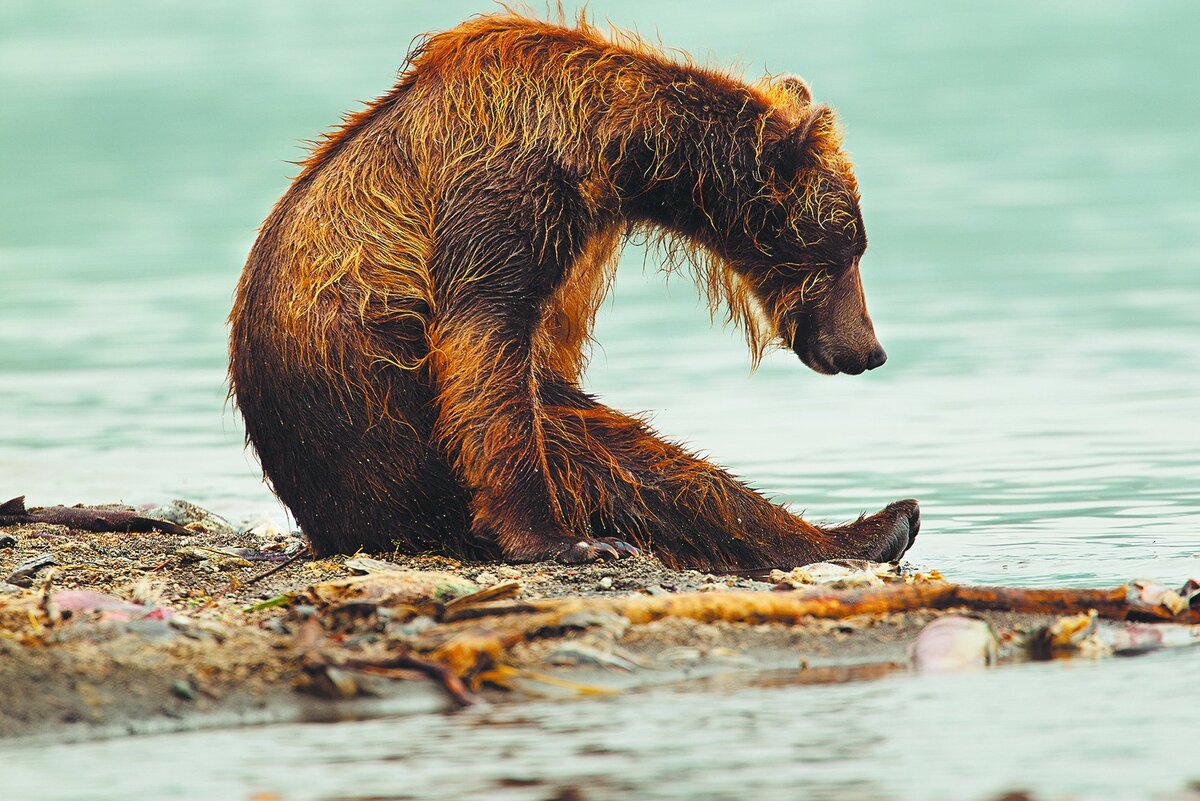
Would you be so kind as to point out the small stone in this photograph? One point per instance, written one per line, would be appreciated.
(23, 573)
(212, 559)
(508, 572)
(7, 541)
(192, 517)
(418, 625)
(606, 583)
(954, 642)
(292, 546)
(610, 622)
(486, 579)
(200, 628)
(335, 683)
(577, 653)
(184, 689)
(263, 528)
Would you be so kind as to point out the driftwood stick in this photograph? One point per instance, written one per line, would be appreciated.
(1117, 603)
(442, 674)
(291, 560)
(784, 607)
(489, 630)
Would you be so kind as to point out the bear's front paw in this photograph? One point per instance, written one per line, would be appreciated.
(592, 550)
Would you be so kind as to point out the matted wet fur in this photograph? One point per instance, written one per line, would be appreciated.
(412, 323)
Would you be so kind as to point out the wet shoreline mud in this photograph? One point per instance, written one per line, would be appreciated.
(104, 633)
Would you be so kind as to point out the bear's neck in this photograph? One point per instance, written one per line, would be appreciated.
(696, 169)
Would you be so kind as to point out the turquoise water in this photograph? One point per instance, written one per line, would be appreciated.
(1030, 190)
(1065, 730)
(1030, 179)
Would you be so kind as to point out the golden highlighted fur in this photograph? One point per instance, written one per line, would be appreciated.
(413, 322)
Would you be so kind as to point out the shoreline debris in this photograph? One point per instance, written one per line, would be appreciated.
(953, 643)
(127, 616)
(86, 518)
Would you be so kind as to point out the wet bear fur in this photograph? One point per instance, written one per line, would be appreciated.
(413, 321)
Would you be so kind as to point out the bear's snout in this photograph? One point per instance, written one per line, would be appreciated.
(856, 360)
(838, 336)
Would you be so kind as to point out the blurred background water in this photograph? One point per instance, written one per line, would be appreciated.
(1030, 184)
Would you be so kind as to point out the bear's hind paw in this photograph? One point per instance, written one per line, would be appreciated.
(901, 524)
(883, 537)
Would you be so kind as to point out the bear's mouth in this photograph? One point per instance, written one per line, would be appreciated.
(835, 361)
(817, 362)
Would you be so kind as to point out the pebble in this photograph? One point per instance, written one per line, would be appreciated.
(418, 625)
(606, 583)
(576, 653)
(334, 683)
(184, 513)
(7, 541)
(212, 559)
(610, 622)
(952, 643)
(23, 573)
(263, 528)
(486, 579)
(184, 689)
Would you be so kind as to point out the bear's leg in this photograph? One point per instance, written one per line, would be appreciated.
(688, 511)
(491, 424)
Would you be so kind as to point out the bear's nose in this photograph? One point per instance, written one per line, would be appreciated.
(877, 357)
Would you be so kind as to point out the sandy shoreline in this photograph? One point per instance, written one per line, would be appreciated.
(146, 632)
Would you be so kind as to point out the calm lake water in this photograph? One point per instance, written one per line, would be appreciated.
(1031, 188)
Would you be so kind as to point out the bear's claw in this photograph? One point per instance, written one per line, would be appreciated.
(591, 550)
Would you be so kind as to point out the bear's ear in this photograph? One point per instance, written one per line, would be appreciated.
(795, 86)
(792, 149)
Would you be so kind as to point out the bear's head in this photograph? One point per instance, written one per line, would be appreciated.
(807, 238)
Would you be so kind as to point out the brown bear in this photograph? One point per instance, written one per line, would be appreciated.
(412, 323)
